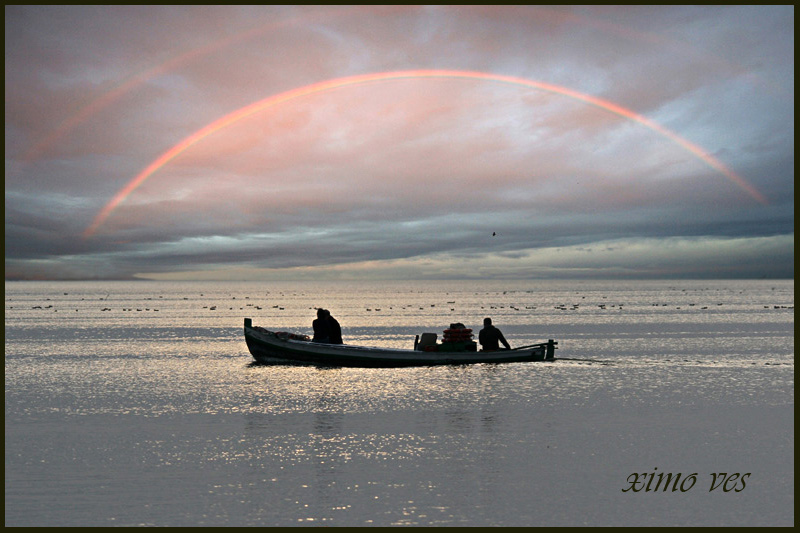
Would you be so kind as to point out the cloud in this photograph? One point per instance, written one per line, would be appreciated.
(406, 177)
(698, 258)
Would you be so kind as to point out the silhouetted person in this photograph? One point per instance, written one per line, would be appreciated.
(322, 330)
(334, 328)
(490, 337)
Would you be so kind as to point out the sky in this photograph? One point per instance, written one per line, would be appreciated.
(399, 142)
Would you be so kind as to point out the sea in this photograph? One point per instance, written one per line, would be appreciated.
(137, 403)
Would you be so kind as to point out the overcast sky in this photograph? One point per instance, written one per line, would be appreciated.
(399, 142)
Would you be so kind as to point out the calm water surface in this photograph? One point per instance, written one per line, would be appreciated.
(136, 403)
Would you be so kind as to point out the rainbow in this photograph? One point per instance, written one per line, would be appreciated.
(350, 81)
(109, 98)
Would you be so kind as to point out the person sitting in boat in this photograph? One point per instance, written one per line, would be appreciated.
(490, 337)
(322, 328)
(334, 328)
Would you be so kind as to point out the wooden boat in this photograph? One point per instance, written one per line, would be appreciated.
(271, 347)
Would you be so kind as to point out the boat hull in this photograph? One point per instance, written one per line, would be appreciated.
(268, 347)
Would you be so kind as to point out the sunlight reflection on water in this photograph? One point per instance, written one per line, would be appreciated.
(123, 417)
